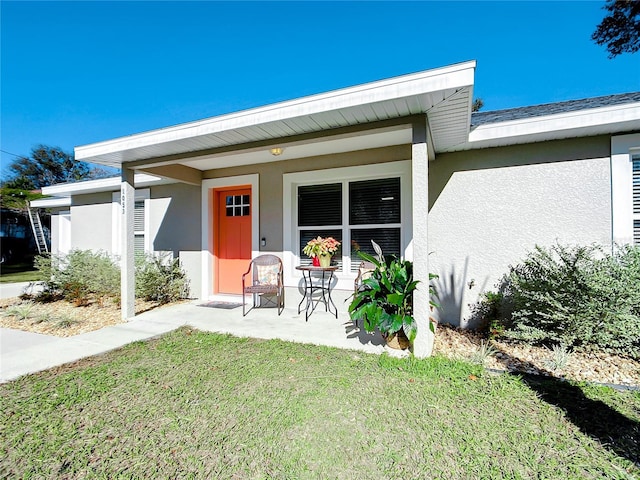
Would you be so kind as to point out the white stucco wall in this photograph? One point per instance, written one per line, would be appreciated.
(60, 232)
(485, 219)
(91, 222)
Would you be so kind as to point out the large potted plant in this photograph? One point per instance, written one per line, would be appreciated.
(385, 299)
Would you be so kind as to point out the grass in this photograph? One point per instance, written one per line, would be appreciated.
(201, 405)
(19, 272)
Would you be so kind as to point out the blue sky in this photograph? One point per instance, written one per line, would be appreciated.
(74, 73)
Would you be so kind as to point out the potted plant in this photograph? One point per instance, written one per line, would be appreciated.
(385, 300)
(321, 250)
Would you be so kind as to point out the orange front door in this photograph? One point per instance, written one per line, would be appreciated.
(233, 238)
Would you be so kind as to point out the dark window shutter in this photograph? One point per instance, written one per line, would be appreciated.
(387, 238)
(320, 205)
(374, 201)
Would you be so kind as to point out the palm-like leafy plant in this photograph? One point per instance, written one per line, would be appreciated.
(385, 300)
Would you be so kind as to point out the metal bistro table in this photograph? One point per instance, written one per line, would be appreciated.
(323, 286)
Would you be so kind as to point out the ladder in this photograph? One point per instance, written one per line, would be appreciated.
(38, 231)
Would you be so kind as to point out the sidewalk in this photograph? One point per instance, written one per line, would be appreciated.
(22, 353)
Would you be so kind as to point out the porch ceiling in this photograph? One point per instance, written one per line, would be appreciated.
(308, 126)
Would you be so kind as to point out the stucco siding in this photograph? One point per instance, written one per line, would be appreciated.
(491, 207)
(91, 222)
(174, 226)
(270, 174)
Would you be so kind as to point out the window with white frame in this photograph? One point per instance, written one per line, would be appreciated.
(625, 189)
(354, 212)
(636, 198)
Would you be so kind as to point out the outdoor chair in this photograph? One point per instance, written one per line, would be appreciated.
(364, 271)
(264, 282)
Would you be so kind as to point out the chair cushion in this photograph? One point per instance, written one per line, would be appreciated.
(268, 274)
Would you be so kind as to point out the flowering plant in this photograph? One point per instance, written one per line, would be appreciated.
(321, 246)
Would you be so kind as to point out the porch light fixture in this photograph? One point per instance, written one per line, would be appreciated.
(275, 151)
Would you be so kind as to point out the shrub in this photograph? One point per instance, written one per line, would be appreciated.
(161, 280)
(79, 275)
(579, 297)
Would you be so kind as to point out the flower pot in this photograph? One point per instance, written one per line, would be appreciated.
(325, 260)
(398, 340)
(315, 261)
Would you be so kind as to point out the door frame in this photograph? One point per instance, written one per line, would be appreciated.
(218, 193)
(207, 222)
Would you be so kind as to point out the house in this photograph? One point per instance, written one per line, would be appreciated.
(402, 161)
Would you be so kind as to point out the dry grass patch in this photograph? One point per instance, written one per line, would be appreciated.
(62, 318)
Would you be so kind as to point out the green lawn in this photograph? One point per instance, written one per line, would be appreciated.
(199, 405)
(21, 272)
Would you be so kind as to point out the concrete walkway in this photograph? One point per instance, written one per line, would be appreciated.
(23, 353)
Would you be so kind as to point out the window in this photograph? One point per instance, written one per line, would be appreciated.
(138, 227)
(625, 189)
(238, 205)
(636, 199)
(354, 213)
(140, 222)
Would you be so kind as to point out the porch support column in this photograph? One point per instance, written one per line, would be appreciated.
(423, 343)
(127, 266)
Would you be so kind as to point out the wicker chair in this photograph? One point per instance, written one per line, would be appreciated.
(364, 272)
(265, 275)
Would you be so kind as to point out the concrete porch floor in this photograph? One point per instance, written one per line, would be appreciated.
(321, 328)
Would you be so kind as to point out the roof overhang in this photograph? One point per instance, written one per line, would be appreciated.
(110, 184)
(51, 202)
(320, 124)
(581, 123)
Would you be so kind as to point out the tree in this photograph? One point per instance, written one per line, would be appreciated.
(620, 29)
(477, 105)
(48, 166)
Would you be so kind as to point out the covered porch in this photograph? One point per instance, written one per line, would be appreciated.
(387, 129)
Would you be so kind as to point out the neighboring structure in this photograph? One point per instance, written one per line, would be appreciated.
(365, 163)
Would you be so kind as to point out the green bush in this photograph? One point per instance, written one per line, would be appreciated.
(160, 280)
(80, 275)
(579, 297)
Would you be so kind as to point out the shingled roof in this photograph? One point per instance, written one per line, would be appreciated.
(497, 116)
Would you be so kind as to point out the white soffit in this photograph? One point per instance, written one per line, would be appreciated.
(443, 93)
(312, 148)
(582, 123)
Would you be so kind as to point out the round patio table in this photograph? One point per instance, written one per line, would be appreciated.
(321, 285)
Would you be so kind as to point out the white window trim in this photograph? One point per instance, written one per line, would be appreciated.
(207, 223)
(291, 181)
(623, 148)
(141, 194)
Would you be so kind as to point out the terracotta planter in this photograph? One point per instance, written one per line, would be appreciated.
(398, 340)
(325, 260)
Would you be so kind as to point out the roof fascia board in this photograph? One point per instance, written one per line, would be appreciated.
(51, 202)
(550, 124)
(454, 76)
(94, 186)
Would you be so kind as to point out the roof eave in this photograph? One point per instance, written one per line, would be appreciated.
(121, 150)
(597, 121)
